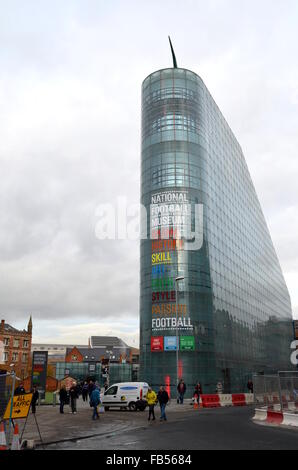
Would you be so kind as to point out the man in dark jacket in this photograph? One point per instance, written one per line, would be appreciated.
(91, 387)
(181, 389)
(35, 397)
(163, 399)
(85, 391)
(250, 386)
(63, 398)
(74, 395)
(19, 390)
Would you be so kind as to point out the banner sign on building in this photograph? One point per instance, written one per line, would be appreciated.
(170, 220)
(170, 343)
(39, 371)
(187, 343)
(156, 343)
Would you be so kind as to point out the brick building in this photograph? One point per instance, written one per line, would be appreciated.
(16, 348)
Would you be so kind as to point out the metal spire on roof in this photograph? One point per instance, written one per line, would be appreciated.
(173, 54)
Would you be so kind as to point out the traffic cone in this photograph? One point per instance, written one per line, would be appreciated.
(3, 445)
(15, 445)
(195, 404)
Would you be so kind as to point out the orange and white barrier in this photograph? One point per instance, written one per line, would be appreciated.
(226, 400)
(210, 401)
(260, 414)
(222, 400)
(276, 417)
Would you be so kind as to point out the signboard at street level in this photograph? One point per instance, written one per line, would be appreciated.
(21, 406)
(187, 343)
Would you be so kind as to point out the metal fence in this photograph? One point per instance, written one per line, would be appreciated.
(5, 392)
(279, 392)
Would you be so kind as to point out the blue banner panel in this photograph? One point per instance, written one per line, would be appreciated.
(170, 343)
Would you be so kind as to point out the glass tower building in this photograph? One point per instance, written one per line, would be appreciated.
(231, 313)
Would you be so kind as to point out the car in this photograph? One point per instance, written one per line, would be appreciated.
(126, 395)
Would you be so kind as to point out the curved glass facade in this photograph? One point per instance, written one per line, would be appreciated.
(233, 308)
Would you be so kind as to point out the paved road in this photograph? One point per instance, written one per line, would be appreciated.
(226, 428)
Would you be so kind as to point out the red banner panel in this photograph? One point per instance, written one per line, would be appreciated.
(156, 343)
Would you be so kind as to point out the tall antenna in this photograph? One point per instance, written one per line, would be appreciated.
(173, 54)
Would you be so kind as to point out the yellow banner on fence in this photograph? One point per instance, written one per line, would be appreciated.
(20, 407)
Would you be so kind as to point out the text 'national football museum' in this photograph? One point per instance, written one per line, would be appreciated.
(214, 306)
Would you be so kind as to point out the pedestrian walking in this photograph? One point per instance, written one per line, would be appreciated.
(198, 392)
(91, 387)
(74, 395)
(181, 389)
(219, 388)
(95, 402)
(85, 391)
(250, 386)
(62, 398)
(35, 396)
(163, 399)
(151, 398)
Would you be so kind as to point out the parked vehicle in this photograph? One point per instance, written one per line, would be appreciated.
(126, 395)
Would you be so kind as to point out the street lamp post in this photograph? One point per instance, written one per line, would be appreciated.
(181, 278)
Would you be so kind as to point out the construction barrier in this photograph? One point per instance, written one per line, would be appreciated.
(249, 397)
(290, 419)
(210, 401)
(226, 400)
(222, 400)
(276, 417)
(260, 414)
(239, 399)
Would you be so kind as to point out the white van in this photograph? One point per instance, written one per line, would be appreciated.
(125, 395)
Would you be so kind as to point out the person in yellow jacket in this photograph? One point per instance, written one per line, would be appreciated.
(151, 398)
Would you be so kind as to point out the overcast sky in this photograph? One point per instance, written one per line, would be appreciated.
(70, 91)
